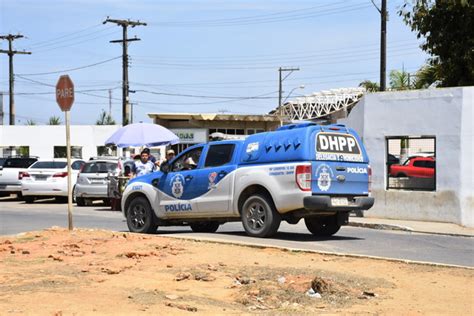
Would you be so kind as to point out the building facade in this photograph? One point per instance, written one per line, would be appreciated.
(49, 141)
(197, 128)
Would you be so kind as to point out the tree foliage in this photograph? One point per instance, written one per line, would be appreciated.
(447, 26)
(105, 119)
(426, 76)
(399, 80)
(370, 86)
(30, 122)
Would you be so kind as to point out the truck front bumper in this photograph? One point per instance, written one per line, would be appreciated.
(326, 203)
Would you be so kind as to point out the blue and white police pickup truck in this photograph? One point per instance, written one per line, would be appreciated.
(318, 173)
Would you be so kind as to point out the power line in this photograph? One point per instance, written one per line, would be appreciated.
(273, 61)
(261, 20)
(71, 69)
(88, 40)
(55, 39)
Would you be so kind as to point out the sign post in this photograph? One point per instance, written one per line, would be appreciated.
(65, 99)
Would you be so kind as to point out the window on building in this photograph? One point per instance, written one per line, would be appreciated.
(227, 131)
(411, 163)
(23, 151)
(219, 155)
(60, 152)
(251, 131)
(106, 150)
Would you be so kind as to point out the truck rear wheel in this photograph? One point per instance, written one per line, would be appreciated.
(140, 216)
(259, 216)
(204, 227)
(322, 226)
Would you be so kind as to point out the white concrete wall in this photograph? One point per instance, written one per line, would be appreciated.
(443, 113)
(42, 138)
(467, 158)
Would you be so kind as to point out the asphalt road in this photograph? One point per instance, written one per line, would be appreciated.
(17, 217)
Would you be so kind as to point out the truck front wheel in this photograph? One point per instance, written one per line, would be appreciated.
(259, 216)
(322, 226)
(140, 216)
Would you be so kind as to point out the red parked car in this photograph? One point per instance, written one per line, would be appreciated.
(415, 167)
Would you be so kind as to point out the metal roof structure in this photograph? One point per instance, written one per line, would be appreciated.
(214, 117)
(319, 104)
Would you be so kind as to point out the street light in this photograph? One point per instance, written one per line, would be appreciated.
(280, 110)
(289, 94)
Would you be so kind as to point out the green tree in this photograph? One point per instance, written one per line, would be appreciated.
(447, 26)
(399, 80)
(30, 122)
(54, 120)
(425, 76)
(105, 119)
(370, 86)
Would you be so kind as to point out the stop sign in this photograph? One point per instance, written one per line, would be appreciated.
(65, 93)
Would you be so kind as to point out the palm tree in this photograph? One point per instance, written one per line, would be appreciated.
(370, 86)
(54, 120)
(105, 119)
(426, 75)
(399, 80)
(30, 122)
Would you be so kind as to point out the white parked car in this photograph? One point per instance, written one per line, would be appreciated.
(92, 181)
(48, 178)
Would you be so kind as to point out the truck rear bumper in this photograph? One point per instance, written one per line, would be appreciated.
(326, 203)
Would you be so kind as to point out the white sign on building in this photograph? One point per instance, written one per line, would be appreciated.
(191, 135)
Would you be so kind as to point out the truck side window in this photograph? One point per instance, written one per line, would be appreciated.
(187, 161)
(219, 155)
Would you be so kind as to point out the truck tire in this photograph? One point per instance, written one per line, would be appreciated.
(322, 226)
(80, 201)
(140, 216)
(259, 216)
(205, 227)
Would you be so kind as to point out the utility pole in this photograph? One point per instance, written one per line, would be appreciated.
(110, 102)
(383, 46)
(1, 108)
(280, 88)
(383, 43)
(125, 86)
(10, 38)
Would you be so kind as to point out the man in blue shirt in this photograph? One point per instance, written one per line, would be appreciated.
(144, 165)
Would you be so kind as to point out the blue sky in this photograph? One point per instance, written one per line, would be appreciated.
(195, 56)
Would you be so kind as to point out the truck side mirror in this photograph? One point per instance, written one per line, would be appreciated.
(165, 167)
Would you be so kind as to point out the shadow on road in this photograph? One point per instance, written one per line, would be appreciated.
(279, 236)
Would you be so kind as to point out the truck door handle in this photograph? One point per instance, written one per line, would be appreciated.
(188, 178)
(222, 173)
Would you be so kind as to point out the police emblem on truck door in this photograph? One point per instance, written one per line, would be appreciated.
(177, 187)
(323, 174)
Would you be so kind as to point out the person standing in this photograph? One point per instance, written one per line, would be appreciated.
(144, 165)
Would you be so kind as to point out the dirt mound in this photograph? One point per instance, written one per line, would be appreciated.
(109, 273)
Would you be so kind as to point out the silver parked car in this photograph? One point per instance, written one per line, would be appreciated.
(92, 181)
